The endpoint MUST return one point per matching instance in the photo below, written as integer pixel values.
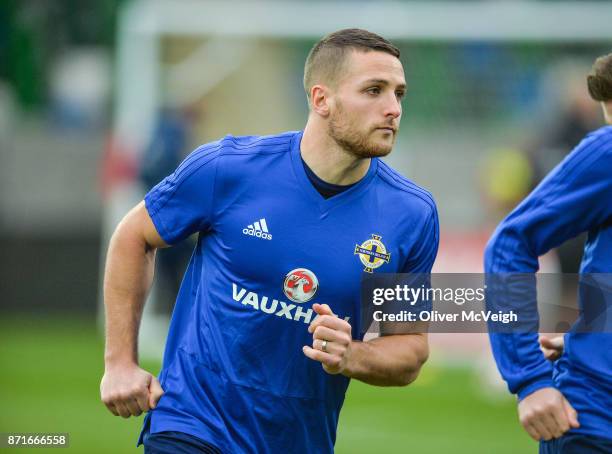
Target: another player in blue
(287, 225)
(567, 406)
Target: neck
(328, 160)
(607, 110)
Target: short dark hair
(599, 79)
(327, 57)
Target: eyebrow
(381, 82)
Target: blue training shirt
(575, 197)
(269, 246)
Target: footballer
(264, 337)
(567, 406)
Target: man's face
(365, 108)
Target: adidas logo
(258, 229)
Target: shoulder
(597, 143)
(236, 146)
(255, 145)
(602, 134)
(403, 192)
(592, 155)
(234, 152)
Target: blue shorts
(176, 443)
(576, 444)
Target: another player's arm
(126, 389)
(570, 201)
(386, 361)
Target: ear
(320, 99)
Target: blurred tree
(34, 32)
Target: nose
(393, 107)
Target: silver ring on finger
(324, 346)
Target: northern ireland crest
(372, 253)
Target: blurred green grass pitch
(51, 371)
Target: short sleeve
(424, 252)
(182, 203)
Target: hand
(546, 414)
(337, 332)
(129, 390)
(552, 347)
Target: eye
(373, 90)
(400, 94)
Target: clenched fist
(546, 414)
(129, 390)
(331, 344)
(552, 347)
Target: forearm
(127, 279)
(388, 361)
(510, 264)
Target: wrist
(113, 362)
(351, 370)
(533, 386)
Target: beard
(353, 140)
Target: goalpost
(175, 52)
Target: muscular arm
(127, 279)
(389, 360)
(126, 389)
(393, 360)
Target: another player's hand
(337, 332)
(546, 414)
(129, 390)
(552, 347)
